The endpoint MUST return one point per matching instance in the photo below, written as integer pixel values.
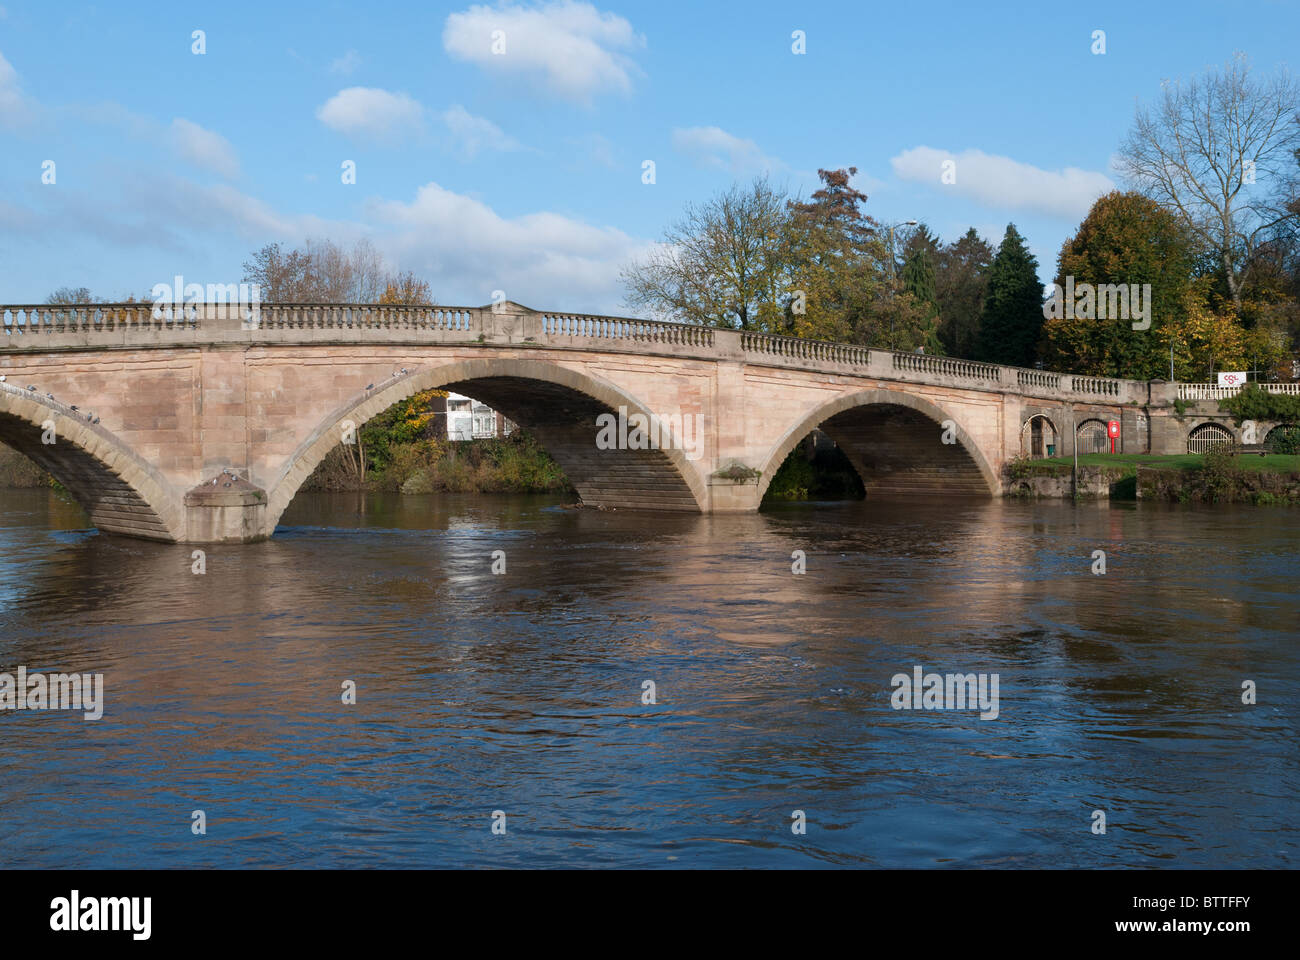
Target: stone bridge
(138, 415)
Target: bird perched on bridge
(96, 420)
(403, 372)
(49, 396)
(370, 386)
(73, 407)
(3, 378)
(30, 387)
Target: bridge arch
(556, 403)
(120, 491)
(906, 461)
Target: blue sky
(522, 170)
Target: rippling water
(522, 692)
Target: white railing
(1210, 391)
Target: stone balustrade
(43, 327)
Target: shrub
(793, 479)
(1220, 474)
(1252, 402)
(1285, 440)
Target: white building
(468, 419)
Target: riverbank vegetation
(825, 475)
(513, 464)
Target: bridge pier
(227, 509)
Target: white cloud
(714, 147)
(1005, 183)
(13, 106)
(467, 249)
(573, 48)
(346, 63)
(470, 134)
(370, 111)
(204, 148)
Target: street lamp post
(893, 272)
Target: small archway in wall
(119, 491)
(1278, 432)
(559, 406)
(1037, 435)
(1200, 439)
(1092, 437)
(899, 443)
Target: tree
(1214, 150)
(1128, 240)
(749, 259)
(961, 278)
(834, 257)
(1012, 317)
(70, 296)
(1204, 339)
(722, 264)
(919, 281)
(407, 288)
(324, 272)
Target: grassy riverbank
(1220, 476)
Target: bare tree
(721, 264)
(70, 296)
(1215, 149)
(325, 272)
(370, 276)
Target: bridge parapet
(45, 327)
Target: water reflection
(522, 692)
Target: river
(516, 698)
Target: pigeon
(49, 396)
(403, 372)
(214, 481)
(31, 388)
(74, 406)
(97, 420)
(3, 378)
(370, 386)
